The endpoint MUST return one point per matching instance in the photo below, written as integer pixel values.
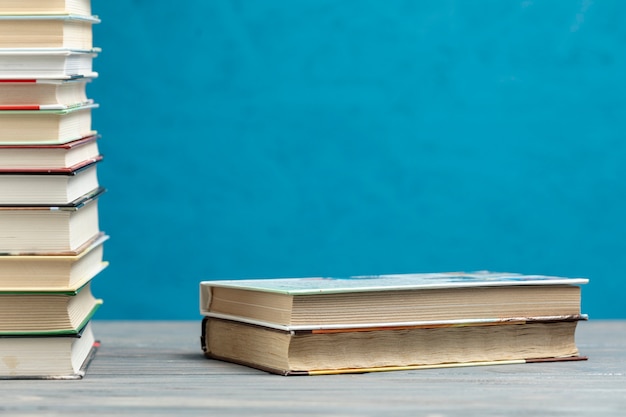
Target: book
(50, 313)
(41, 230)
(384, 300)
(47, 31)
(316, 352)
(47, 187)
(45, 126)
(47, 357)
(27, 7)
(43, 94)
(64, 157)
(53, 273)
(46, 63)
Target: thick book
(45, 230)
(46, 356)
(32, 94)
(383, 300)
(25, 187)
(47, 31)
(53, 273)
(42, 7)
(64, 157)
(46, 63)
(49, 313)
(360, 350)
(45, 126)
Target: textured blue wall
(321, 137)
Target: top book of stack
(44, 7)
(47, 31)
(391, 300)
(43, 40)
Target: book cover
(47, 17)
(389, 282)
(45, 107)
(20, 110)
(68, 145)
(64, 171)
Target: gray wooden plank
(157, 368)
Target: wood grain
(157, 368)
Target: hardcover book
(359, 350)
(43, 230)
(46, 356)
(47, 187)
(47, 31)
(46, 63)
(44, 7)
(45, 126)
(307, 303)
(64, 157)
(53, 273)
(50, 313)
(32, 94)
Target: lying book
(43, 94)
(45, 126)
(64, 157)
(78, 7)
(46, 63)
(49, 313)
(47, 31)
(47, 357)
(39, 230)
(307, 303)
(316, 352)
(53, 273)
(49, 187)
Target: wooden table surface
(157, 368)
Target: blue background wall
(321, 137)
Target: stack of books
(309, 326)
(51, 245)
